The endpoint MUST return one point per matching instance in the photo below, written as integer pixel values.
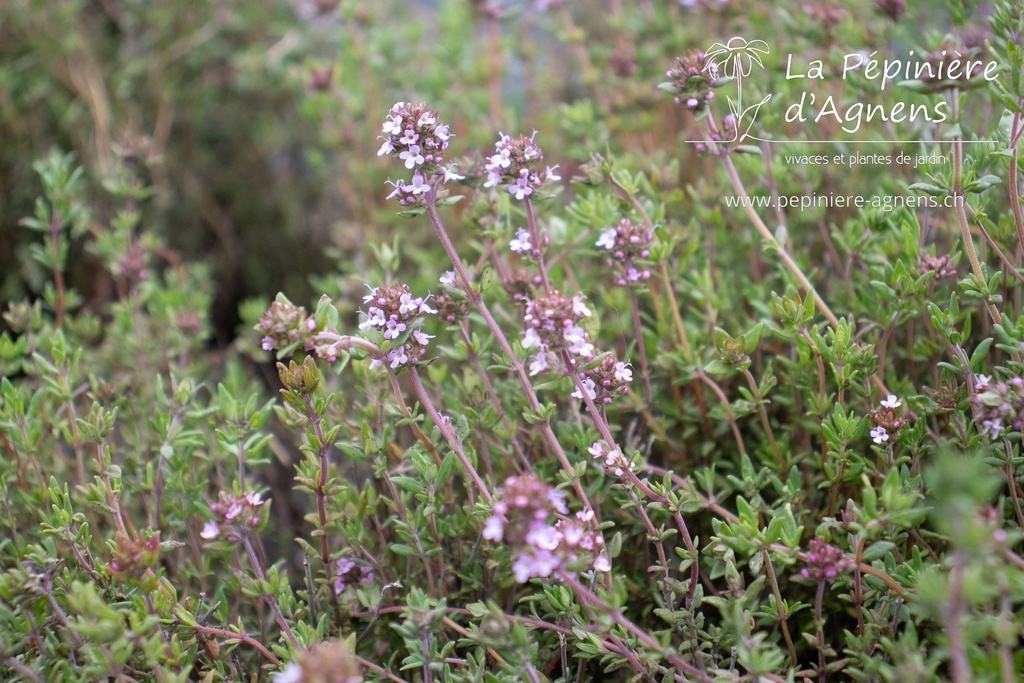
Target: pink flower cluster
(824, 562)
(606, 380)
(691, 82)
(412, 133)
(942, 266)
(999, 406)
(521, 285)
(233, 517)
(551, 324)
(284, 324)
(516, 163)
(522, 517)
(449, 309)
(394, 311)
(627, 243)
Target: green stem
(764, 419)
(321, 502)
(449, 434)
(780, 608)
(267, 597)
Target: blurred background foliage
(255, 121)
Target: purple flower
(623, 372)
(413, 135)
(521, 188)
(551, 325)
(348, 572)
(535, 562)
(393, 124)
(418, 186)
(493, 528)
(393, 329)
(521, 242)
(589, 387)
(398, 357)
(538, 364)
(407, 304)
(691, 81)
(411, 156)
(500, 160)
(580, 308)
(628, 243)
(607, 239)
(522, 518)
(891, 402)
(516, 162)
(879, 434)
(993, 428)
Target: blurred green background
(255, 121)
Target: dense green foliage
(786, 442)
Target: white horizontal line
(852, 142)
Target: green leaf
(407, 483)
(877, 550)
(717, 368)
(928, 188)
(445, 471)
(399, 549)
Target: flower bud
(302, 379)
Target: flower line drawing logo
(739, 57)
(735, 60)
